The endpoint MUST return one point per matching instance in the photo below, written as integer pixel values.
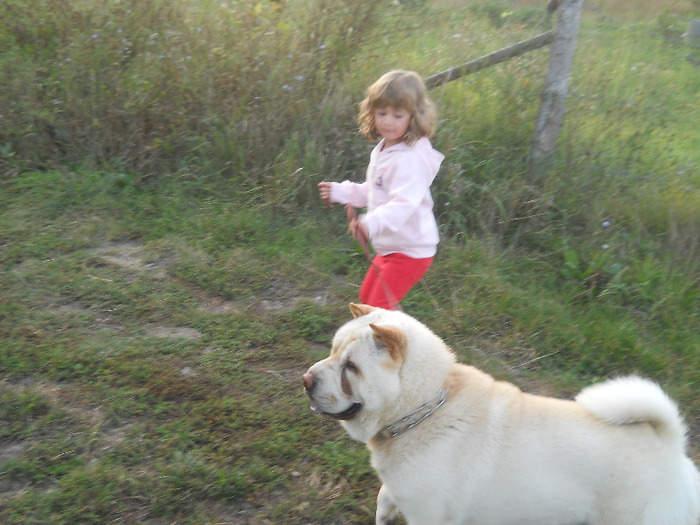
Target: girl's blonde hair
(399, 89)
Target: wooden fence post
(556, 86)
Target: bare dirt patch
(10, 451)
(130, 256)
(215, 304)
(174, 332)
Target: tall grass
(151, 85)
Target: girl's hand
(359, 231)
(324, 189)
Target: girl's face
(392, 124)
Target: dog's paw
(392, 519)
(387, 511)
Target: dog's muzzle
(310, 384)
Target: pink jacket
(397, 196)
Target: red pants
(390, 277)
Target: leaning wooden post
(556, 87)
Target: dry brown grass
(648, 8)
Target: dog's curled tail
(633, 399)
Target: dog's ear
(392, 338)
(358, 310)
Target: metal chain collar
(414, 418)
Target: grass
(167, 273)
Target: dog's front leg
(387, 511)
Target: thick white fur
(493, 455)
(617, 401)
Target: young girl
(399, 221)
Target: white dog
(453, 446)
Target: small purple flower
(606, 224)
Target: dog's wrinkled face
(360, 375)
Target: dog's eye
(351, 367)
